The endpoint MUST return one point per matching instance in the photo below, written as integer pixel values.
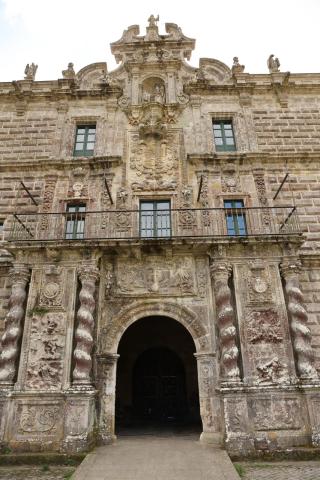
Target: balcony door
(155, 218)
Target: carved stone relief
(262, 196)
(52, 287)
(76, 417)
(202, 276)
(157, 276)
(230, 180)
(276, 414)
(263, 326)
(48, 196)
(46, 352)
(154, 164)
(38, 419)
(235, 415)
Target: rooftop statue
(30, 71)
(153, 20)
(69, 73)
(273, 64)
(236, 67)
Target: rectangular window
(235, 217)
(75, 217)
(155, 218)
(85, 140)
(223, 136)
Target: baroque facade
(160, 254)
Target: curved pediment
(90, 77)
(214, 70)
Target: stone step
(156, 458)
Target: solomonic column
(88, 276)
(229, 352)
(20, 276)
(298, 319)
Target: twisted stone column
(299, 319)
(88, 276)
(229, 352)
(20, 275)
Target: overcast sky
(52, 33)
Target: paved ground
(281, 470)
(156, 458)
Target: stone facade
(250, 302)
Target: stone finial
(30, 71)
(69, 73)
(273, 64)
(153, 20)
(236, 67)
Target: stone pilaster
(229, 352)
(88, 275)
(298, 319)
(107, 370)
(209, 401)
(20, 276)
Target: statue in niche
(273, 64)
(153, 92)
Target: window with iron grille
(223, 136)
(85, 140)
(75, 221)
(235, 217)
(155, 218)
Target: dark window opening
(223, 136)
(85, 140)
(155, 218)
(235, 217)
(75, 222)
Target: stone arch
(141, 309)
(90, 75)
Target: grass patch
(240, 469)
(68, 476)
(45, 467)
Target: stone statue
(30, 71)
(158, 93)
(69, 73)
(236, 67)
(273, 64)
(153, 20)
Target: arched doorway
(157, 384)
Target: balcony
(118, 225)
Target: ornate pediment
(152, 47)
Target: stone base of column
(212, 438)
(106, 439)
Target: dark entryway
(156, 376)
(159, 390)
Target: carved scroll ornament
(10, 341)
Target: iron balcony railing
(151, 224)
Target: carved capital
(88, 273)
(20, 273)
(290, 268)
(220, 270)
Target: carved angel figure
(273, 64)
(153, 20)
(69, 73)
(30, 71)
